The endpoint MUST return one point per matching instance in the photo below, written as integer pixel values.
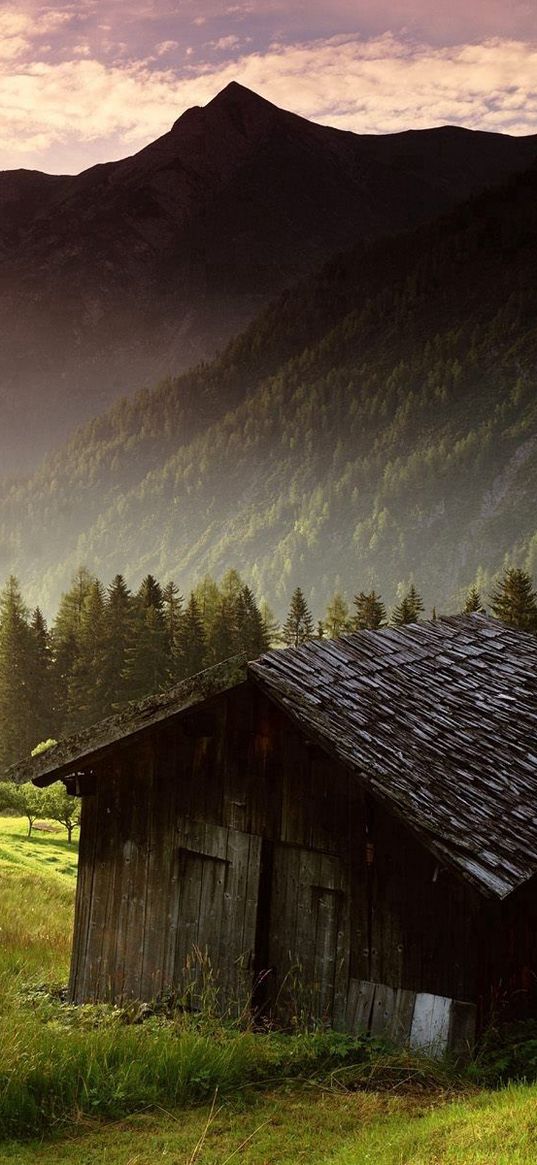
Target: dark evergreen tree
(147, 667)
(192, 641)
(298, 627)
(66, 638)
(119, 620)
(514, 600)
(252, 637)
(409, 609)
(209, 600)
(43, 688)
(173, 612)
(172, 605)
(17, 677)
(370, 612)
(473, 604)
(87, 696)
(150, 594)
(222, 633)
(271, 627)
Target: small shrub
(506, 1053)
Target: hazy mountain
(136, 269)
(378, 423)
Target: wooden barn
(347, 829)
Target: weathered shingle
(440, 720)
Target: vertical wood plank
(431, 1023)
(403, 1014)
(383, 1011)
(361, 998)
(84, 891)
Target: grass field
(185, 1092)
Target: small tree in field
(61, 807)
(25, 800)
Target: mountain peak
(236, 94)
(233, 101)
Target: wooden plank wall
(184, 825)
(414, 923)
(425, 1022)
(309, 934)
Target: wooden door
(213, 915)
(308, 944)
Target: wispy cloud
(63, 104)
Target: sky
(94, 80)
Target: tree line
(108, 646)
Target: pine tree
(271, 627)
(252, 634)
(298, 627)
(192, 641)
(370, 612)
(66, 638)
(209, 599)
(337, 620)
(473, 604)
(18, 731)
(409, 609)
(172, 605)
(222, 634)
(514, 600)
(43, 688)
(147, 667)
(150, 594)
(119, 617)
(173, 613)
(87, 699)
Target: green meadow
(94, 1085)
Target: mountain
(115, 278)
(377, 424)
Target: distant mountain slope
(378, 423)
(137, 269)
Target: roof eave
(84, 749)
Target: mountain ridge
(376, 425)
(134, 270)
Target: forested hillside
(133, 270)
(378, 423)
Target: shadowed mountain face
(115, 278)
(376, 424)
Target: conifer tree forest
(108, 645)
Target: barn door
(213, 914)
(308, 947)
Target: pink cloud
(70, 113)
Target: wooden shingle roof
(440, 720)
